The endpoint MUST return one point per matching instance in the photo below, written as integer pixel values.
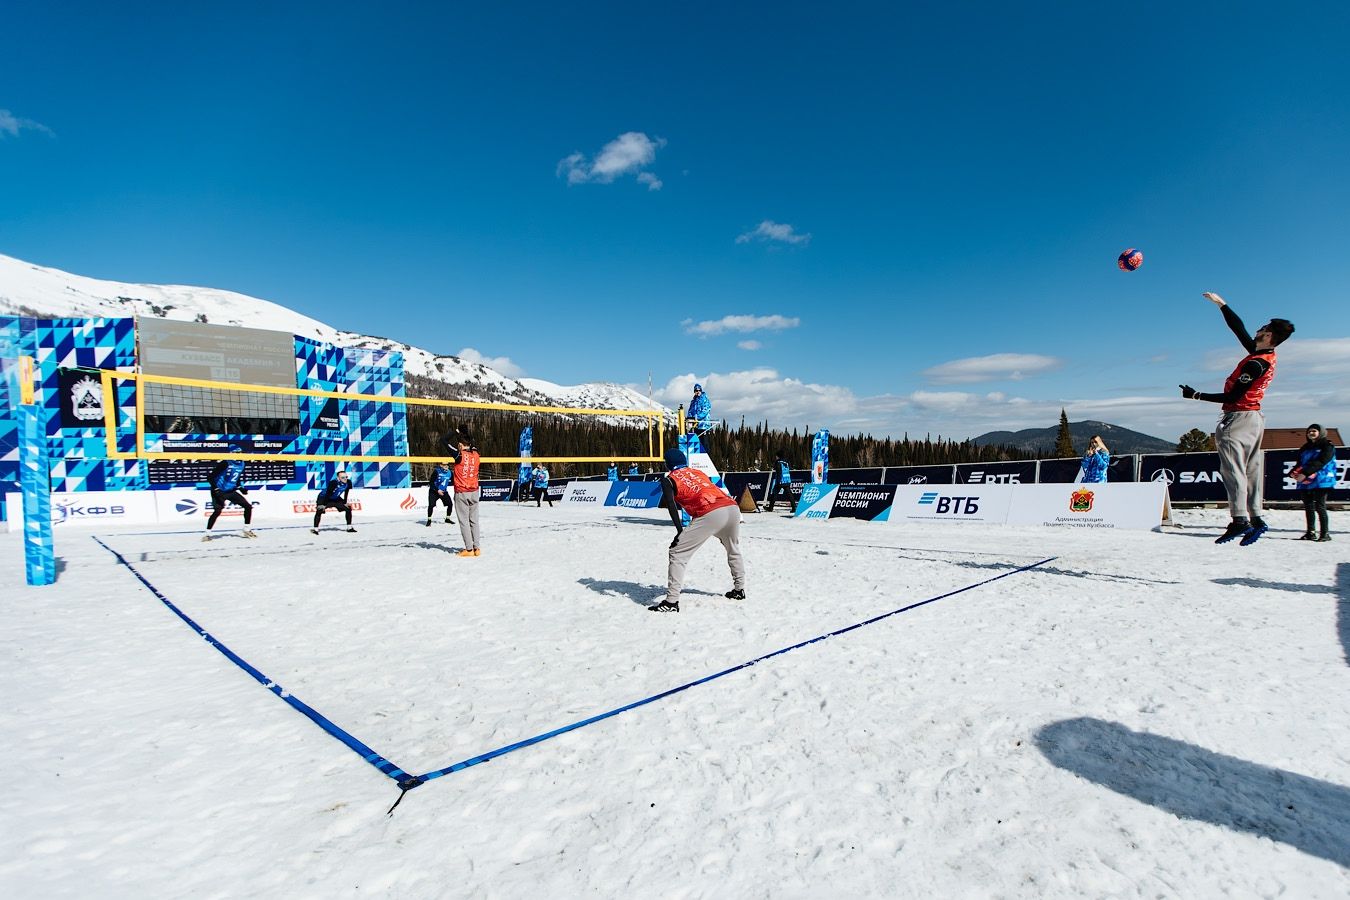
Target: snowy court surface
(1147, 715)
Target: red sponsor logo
(408, 502)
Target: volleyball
(1130, 260)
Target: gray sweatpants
(1241, 462)
(466, 507)
(723, 523)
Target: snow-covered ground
(1146, 715)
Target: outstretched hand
(676, 539)
(1214, 298)
(1188, 392)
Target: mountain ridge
(1119, 440)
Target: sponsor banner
(173, 471)
(586, 493)
(497, 489)
(737, 482)
(820, 456)
(1137, 506)
(556, 489)
(185, 506)
(1279, 486)
(919, 475)
(872, 502)
(634, 495)
(81, 399)
(703, 462)
(1019, 472)
(816, 501)
(855, 476)
(951, 503)
(91, 508)
(1190, 477)
(329, 418)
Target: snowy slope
(31, 290)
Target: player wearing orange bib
(714, 514)
(1238, 434)
(467, 493)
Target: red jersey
(696, 494)
(466, 472)
(1251, 400)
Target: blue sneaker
(1235, 530)
(1259, 527)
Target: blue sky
(870, 217)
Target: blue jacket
(633, 470)
(784, 473)
(1094, 467)
(228, 475)
(612, 473)
(1317, 457)
(700, 407)
(540, 477)
(441, 481)
(335, 491)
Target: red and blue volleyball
(1130, 260)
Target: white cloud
(749, 345)
(711, 327)
(627, 154)
(995, 367)
(769, 230)
(11, 125)
(763, 394)
(502, 364)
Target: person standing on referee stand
(438, 489)
(1238, 434)
(227, 486)
(467, 494)
(334, 496)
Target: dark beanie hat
(1312, 426)
(675, 458)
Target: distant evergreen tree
(1195, 441)
(1064, 440)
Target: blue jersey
(540, 477)
(335, 492)
(612, 473)
(700, 408)
(228, 475)
(1323, 476)
(1094, 467)
(441, 481)
(633, 470)
(784, 473)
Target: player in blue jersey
(227, 486)
(334, 496)
(440, 488)
(539, 478)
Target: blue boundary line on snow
(540, 738)
(407, 781)
(298, 705)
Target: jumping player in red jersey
(714, 514)
(1238, 434)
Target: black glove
(1188, 392)
(676, 539)
(243, 490)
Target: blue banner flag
(820, 456)
(526, 449)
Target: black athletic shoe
(1235, 530)
(665, 606)
(428, 523)
(314, 531)
(449, 521)
(1259, 527)
(351, 530)
(1324, 539)
(1307, 536)
(735, 594)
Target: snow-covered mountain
(31, 290)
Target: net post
(140, 417)
(39, 550)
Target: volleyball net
(158, 417)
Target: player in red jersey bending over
(714, 514)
